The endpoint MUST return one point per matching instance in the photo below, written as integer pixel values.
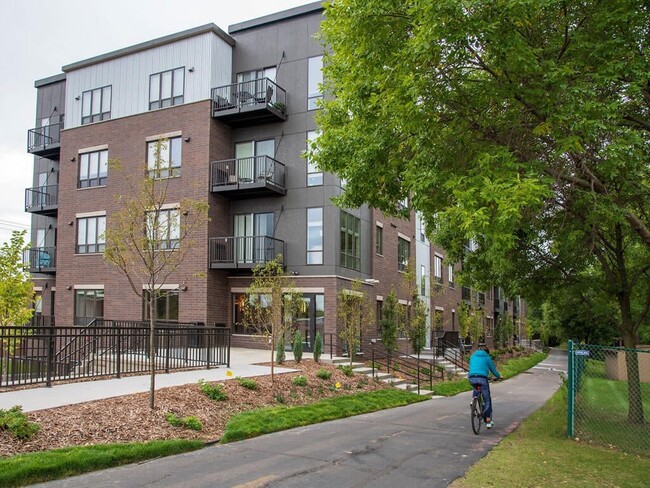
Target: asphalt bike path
(428, 444)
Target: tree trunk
(635, 403)
(152, 353)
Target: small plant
(280, 356)
(318, 346)
(214, 392)
(332, 388)
(248, 383)
(279, 397)
(299, 381)
(15, 421)
(363, 381)
(297, 346)
(426, 371)
(347, 370)
(189, 422)
(323, 374)
(396, 367)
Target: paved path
(428, 444)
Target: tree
(16, 289)
(148, 239)
(356, 313)
(390, 322)
(416, 327)
(270, 304)
(524, 127)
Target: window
(403, 253)
(96, 105)
(166, 88)
(38, 303)
(256, 86)
(450, 275)
(423, 280)
(165, 306)
(88, 306)
(379, 237)
(314, 80)
(163, 228)
(167, 162)
(380, 315)
(91, 234)
(254, 160)
(93, 169)
(350, 241)
(314, 174)
(315, 235)
(253, 232)
(437, 269)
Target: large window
(314, 174)
(165, 306)
(163, 228)
(253, 160)
(164, 158)
(350, 241)
(437, 269)
(93, 169)
(91, 234)
(315, 235)
(379, 240)
(96, 105)
(88, 306)
(252, 237)
(403, 253)
(450, 275)
(314, 80)
(423, 280)
(166, 88)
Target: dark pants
(485, 391)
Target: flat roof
(151, 44)
(278, 16)
(49, 80)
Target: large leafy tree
(16, 289)
(523, 125)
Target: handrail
(258, 92)
(44, 136)
(407, 365)
(453, 353)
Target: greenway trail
(428, 444)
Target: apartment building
(237, 112)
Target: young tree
(390, 322)
(524, 127)
(149, 238)
(416, 327)
(356, 313)
(270, 305)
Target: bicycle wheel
(477, 415)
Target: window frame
(99, 244)
(437, 269)
(165, 295)
(102, 162)
(315, 176)
(379, 240)
(159, 102)
(314, 92)
(167, 243)
(97, 296)
(350, 241)
(170, 168)
(88, 97)
(403, 251)
(318, 251)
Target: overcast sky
(38, 37)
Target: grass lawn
(538, 454)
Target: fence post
(50, 354)
(372, 363)
(570, 392)
(207, 346)
(167, 350)
(118, 351)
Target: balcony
(249, 102)
(41, 259)
(246, 177)
(243, 252)
(42, 200)
(45, 141)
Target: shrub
(279, 397)
(318, 346)
(279, 351)
(426, 371)
(214, 392)
(347, 370)
(189, 422)
(15, 421)
(299, 381)
(297, 346)
(248, 383)
(324, 374)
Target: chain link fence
(609, 396)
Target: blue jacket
(481, 364)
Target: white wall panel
(209, 55)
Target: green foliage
(390, 321)
(15, 422)
(280, 355)
(324, 374)
(264, 421)
(248, 383)
(297, 346)
(38, 467)
(16, 289)
(355, 312)
(347, 370)
(318, 346)
(189, 422)
(214, 392)
(299, 380)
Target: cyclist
(480, 367)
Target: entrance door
(310, 319)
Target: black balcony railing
(260, 100)
(243, 252)
(45, 141)
(42, 199)
(259, 174)
(41, 259)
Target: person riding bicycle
(480, 367)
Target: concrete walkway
(243, 363)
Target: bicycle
(476, 409)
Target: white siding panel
(210, 56)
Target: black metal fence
(43, 353)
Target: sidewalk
(242, 363)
